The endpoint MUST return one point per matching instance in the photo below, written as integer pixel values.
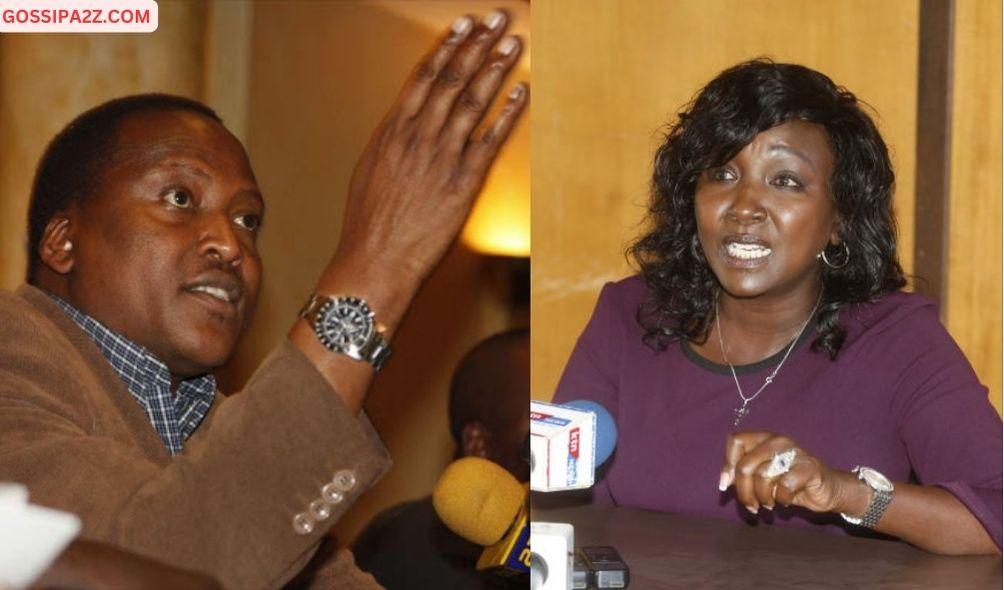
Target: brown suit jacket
(72, 432)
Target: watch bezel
(874, 479)
(325, 320)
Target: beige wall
(46, 80)
(973, 311)
(302, 84)
(609, 75)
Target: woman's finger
(791, 484)
(764, 484)
(736, 446)
(747, 476)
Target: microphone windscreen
(478, 499)
(606, 428)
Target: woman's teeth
(746, 251)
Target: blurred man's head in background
(489, 401)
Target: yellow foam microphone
(485, 504)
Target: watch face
(345, 324)
(876, 480)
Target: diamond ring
(780, 464)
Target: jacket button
(303, 524)
(319, 510)
(331, 494)
(344, 480)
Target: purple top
(900, 398)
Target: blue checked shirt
(174, 417)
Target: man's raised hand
(427, 161)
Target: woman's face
(765, 214)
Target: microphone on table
(483, 503)
(606, 428)
(567, 443)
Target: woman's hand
(927, 516)
(417, 179)
(808, 483)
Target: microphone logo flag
(548, 419)
(511, 554)
(573, 456)
(562, 446)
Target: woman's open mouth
(745, 251)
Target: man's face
(165, 252)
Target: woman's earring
(847, 257)
(67, 246)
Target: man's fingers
(482, 148)
(474, 101)
(416, 89)
(454, 77)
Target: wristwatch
(346, 325)
(882, 496)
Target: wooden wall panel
(609, 74)
(47, 79)
(973, 303)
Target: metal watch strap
(880, 501)
(311, 307)
(881, 498)
(375, 351)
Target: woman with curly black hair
(768, 318)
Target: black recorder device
(599, 567)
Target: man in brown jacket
(143, 274)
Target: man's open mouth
(216, 292)
(224, 289)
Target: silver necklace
(743, 410)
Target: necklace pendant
(741, 413)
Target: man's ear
(56, 248)
(475, 440)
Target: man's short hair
(72, 167)
(482, 388)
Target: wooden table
(668, 551)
